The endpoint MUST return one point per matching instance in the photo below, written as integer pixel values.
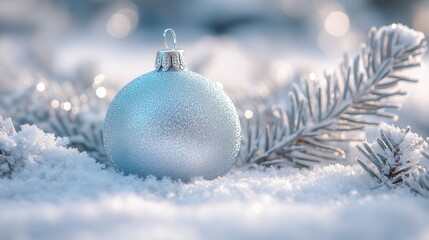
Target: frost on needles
(326, 110)
(397, 158)
(396, 155)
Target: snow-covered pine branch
(396, 156)
(321, 110)
(23, 98)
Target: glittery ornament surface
(174, 123)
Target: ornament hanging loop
(173, 34)
(170, 58)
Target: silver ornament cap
(170, 58)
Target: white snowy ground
(58, 193)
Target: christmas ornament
(172, 122)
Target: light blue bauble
(172, 123)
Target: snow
(55, 192)
(132, 216)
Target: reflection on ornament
(172, 122)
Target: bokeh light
(248, 114)
(41, 87)
(123, 22)
(55, 103)
(99, 78)
(312, 76)
(66, 106)
(101, 92)
(337, 23)
(83, 98)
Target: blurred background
(73, 56)
(231, 41)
